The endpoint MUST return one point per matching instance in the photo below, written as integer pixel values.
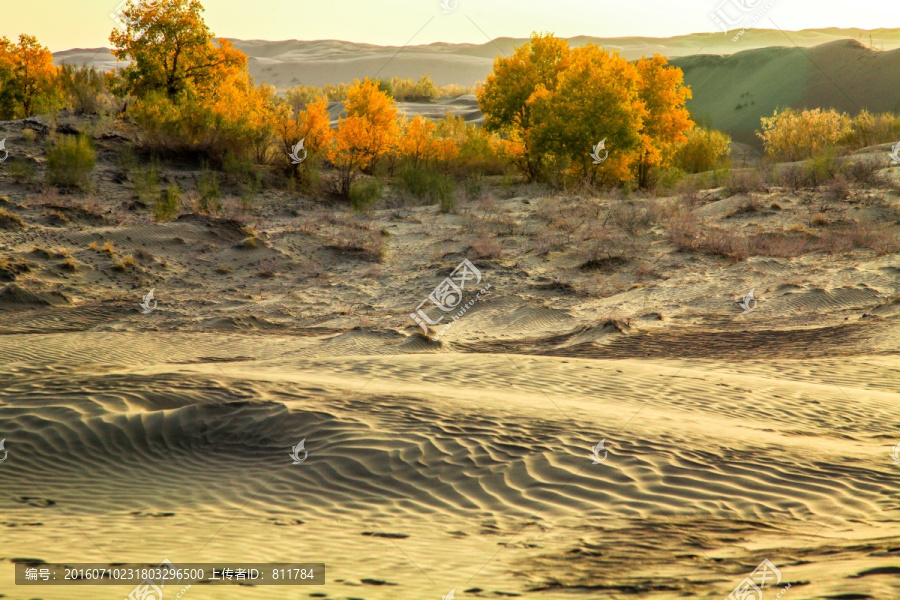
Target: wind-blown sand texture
(461, 464)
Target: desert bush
(428, 185)
(209, 196)
(868, 129)
(875, 236)
(407, 89)
(790, 135)
(864, 172)
(473, 185)
(21, 171)
(743, 181)
(85, 89)
(703, 150)
(145, 184)
(168, 204)
(365, 193)
(70, 161)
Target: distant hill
(733, 83)
(732, 92)
(287, 63)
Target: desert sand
(460, 464)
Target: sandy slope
(461, 464)
(423, 466)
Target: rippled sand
(441, 470)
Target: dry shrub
(784, 244)
(743, 181)
(690, 234)
(487, 247)
(875, 236)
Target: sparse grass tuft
(10, 221)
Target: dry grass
(10, 221)
(108, 248)
(69, 265)
(124, 263)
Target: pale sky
(64, 24)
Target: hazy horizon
(416, 22)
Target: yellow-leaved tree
(504, 98)
(662, 90)
(596, 99)
(366, 135)
(193, 93)
(28, 79)
(310, 125)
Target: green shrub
(168, 203)
(208, 191)
(473, 185)
(365, 193)
(429, 185)
(70, 160)
(145, 184)
(21, 171)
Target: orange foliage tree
(554, 104)
(171, 50)
(366, 135)
(504, 98)
(192, 93)
(28, 79)
(661, 88)
(425, 145)
(312, 126)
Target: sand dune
(463, 463)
